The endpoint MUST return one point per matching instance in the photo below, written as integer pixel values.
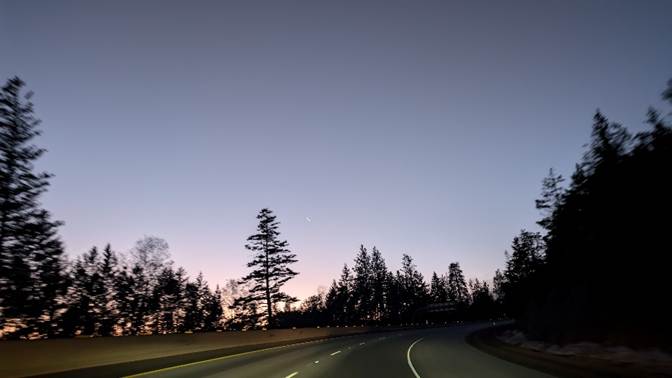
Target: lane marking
(408, 357)
(317, 362)
(335, 353)
(169, 368)
(293, 374)
(362, 343)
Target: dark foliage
(270, 262)
(603, 277)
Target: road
(426, 353)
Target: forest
(595, 269)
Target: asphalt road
(438, 352)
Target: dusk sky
(419, 127)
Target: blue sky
(418, 127)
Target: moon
(308, 219)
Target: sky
(420, 127)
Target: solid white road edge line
(408, 357)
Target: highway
(438, 352)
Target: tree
(412, 288)
(551, 198)
(168, 300)
(361, 286)
(339, 301)
(524, 262)
(86, 295)
(456, 288)
(196, 297)
(270, 262)
(31, 263)
(107, 270)
(482, 302)
(378, 285)
(437, 289)
(150, 257)
(212, 303)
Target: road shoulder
(560, 366)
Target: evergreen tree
(361, 287)
(378, 285)
(168, 299)
(86, 295)
(125, 299)
(413, 293)
(196, 298)
(345, 300)
(482, 302)
(270, 262)
(437, 289)
(31, 262)
(213, 309)
(551, 198)
(108, 298)
(456, 288)
(524, 262)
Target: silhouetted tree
(522, 264)
(437, 289)
(270, 262)
(213, 309)
(87, 295)
(551, 198)
(361, 286)
(196, 298)
(456, 289)
(482, 304)
(107, 298)
(413, 292)
(340, 302)
(31, 262)
(378, 285)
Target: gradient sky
(418, 127)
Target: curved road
(438, 352)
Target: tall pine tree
(270, 265)
(32, 281)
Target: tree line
(103, 292)
(371, 294)
(598, 270)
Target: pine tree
(86, 296)
(522, 264)
(270, 262)
(213, 309)
(108, 299)
(551, 198)
(31, 263)
(168, 299)
(361, 287)
(437, 289)
(124, 298)
(197, 296)
(413, 293)
(482, 304)
(378, 284)
(456, 287)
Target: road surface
(426, 353)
